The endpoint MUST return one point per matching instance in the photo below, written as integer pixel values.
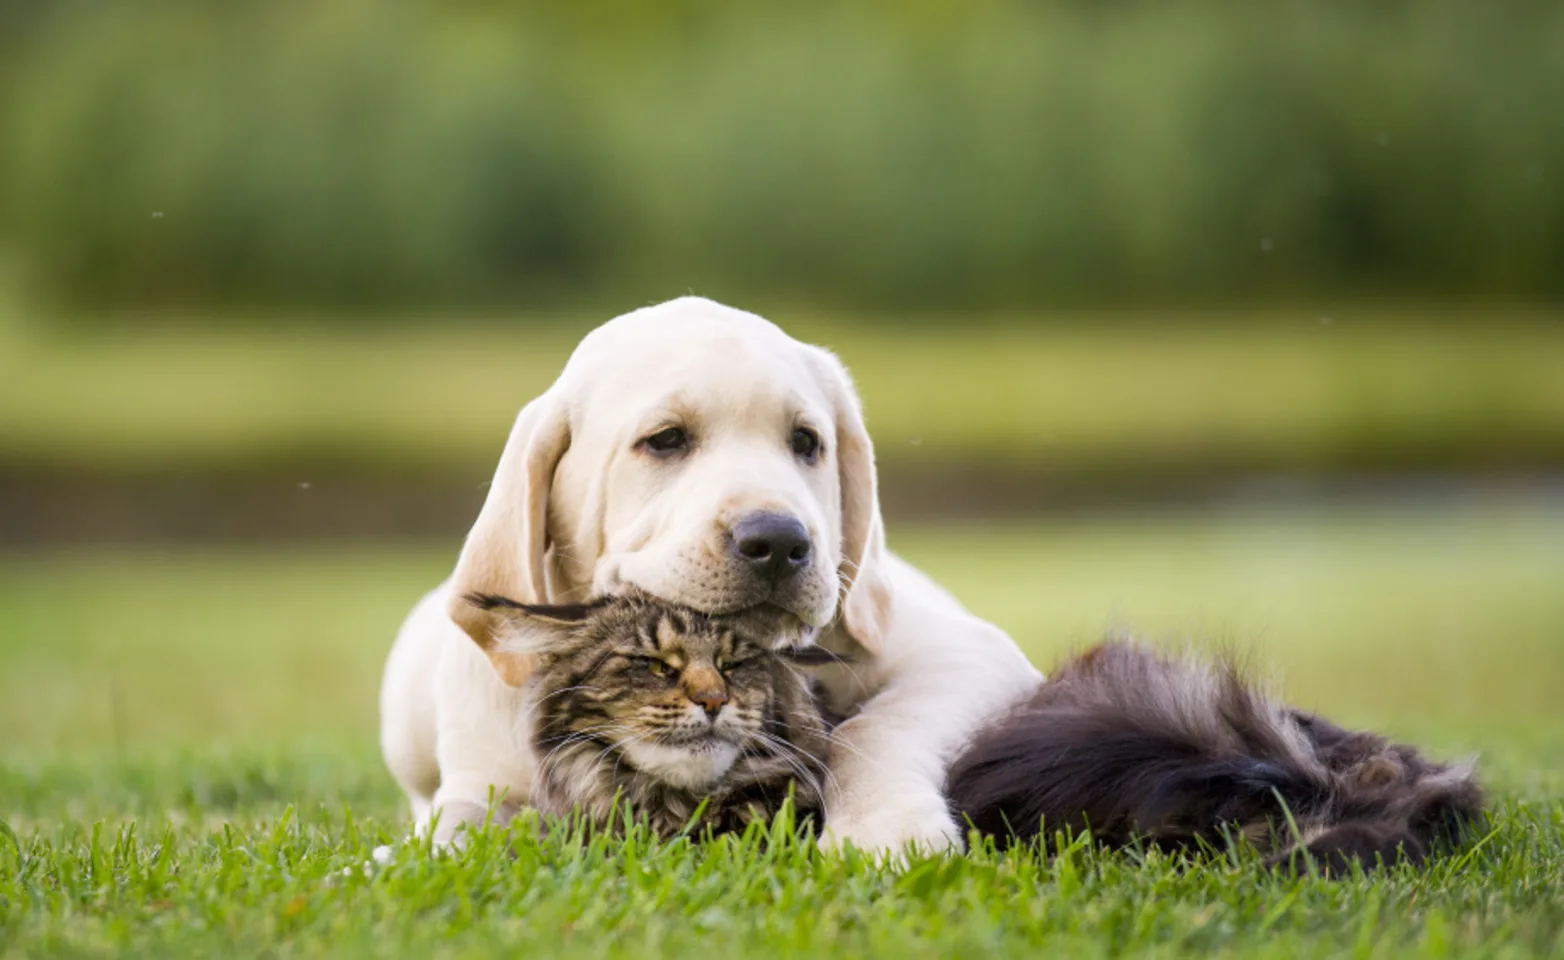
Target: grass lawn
(187, 758)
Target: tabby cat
(1178, 752)
(670, 710)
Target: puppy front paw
(920, 823)
(455, 821)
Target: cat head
(676, 694)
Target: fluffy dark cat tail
(1134, 745)
(1179, 752)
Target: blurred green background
(1223, 322)
(913, 157)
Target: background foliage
(995, 154)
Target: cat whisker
(844, 664)
(837, 743)
(620, 745)
(540, 701)
(806, 766)
(578, 736)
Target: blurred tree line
(992, 155)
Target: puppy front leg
(462, 805)
(943, 675)
(483, 745)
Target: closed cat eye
(655, 666)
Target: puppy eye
(806, 443)
(668, 440)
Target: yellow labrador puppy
(700, 454)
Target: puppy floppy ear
(504, 552)
(866, 601)
(521, 629)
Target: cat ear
(522, 629)
(563, 614)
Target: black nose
(774, 545)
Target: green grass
(187, 759)
(1373, 388)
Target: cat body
(677, 714)
(670, 711)
(1178, 752)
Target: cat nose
(711, 700)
